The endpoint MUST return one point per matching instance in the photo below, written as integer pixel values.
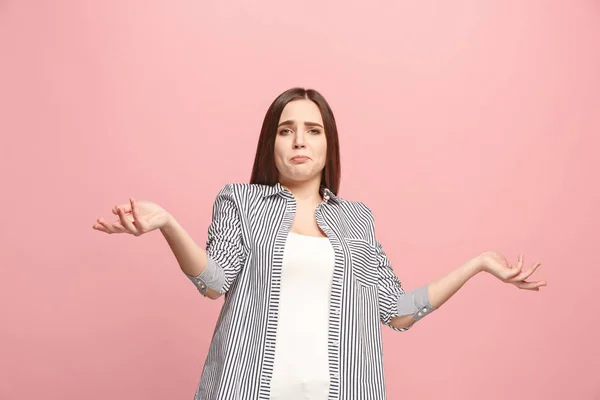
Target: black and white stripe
(246, 239)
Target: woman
(306, 282)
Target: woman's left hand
(497, 265)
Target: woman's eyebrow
(313, 124)
(291, 122)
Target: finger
(511, 274)
(520, 261)
(134, 210)
(534, 289)
(530, 285)
(100, 228)
(519, 266)
(508, 272)
(126, 222)
(140, 223)
(110, 228)
(516, 270)
(526, 274)
(501, 270)
(530, 271)
(114, 227)
(126, 207)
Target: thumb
(512, 272)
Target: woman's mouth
(299, 159)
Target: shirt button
(335, 375)
(336, 311)
(425, 309)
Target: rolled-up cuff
(212, 277)
(415, 303)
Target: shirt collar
(279, 189)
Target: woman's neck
(308, 191)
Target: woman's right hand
(136, 218)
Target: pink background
(465, 126)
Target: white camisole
(301, 363)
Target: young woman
(306, 282)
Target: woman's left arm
(440, 290)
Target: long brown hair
(264, 170)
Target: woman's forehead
(300, 112)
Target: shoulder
(243, 192)
(356, 218)
(237, 198)
(355, 210)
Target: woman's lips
(299, 159)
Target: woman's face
(300, 144)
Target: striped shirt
(246, 240)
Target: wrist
(476, 265)
(169, 224)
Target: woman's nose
(299, 141)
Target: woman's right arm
(192, 258)
(213, 270)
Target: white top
(301, 362)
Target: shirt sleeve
(393, 300)
(224, 246)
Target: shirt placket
(275, 294)
(335, 300)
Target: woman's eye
(284, 131)
(315, 131)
